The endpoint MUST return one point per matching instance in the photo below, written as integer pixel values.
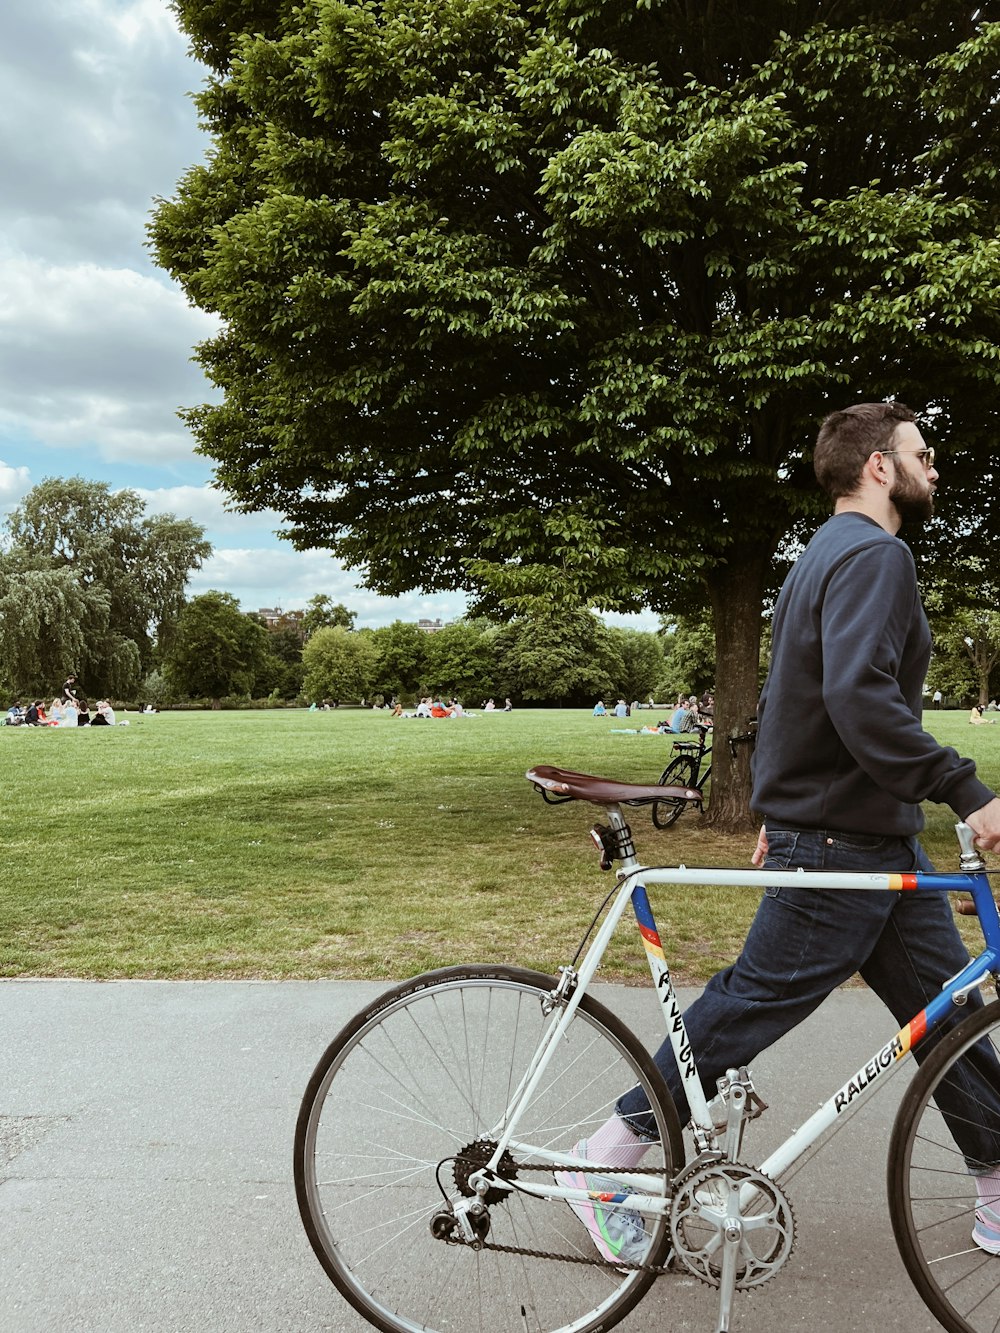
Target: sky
(95, 341)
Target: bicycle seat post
(625, 847)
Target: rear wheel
(406, 1104)
(954, 1100)
(680, 772)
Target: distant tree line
(90, 584)
(570, 659)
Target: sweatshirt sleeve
(870, 607)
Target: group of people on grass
(68, 709)
(436, 707)
(689, 713)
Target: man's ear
(875, 467)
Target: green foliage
(639, 665)
(557, 658)
(322, 612)
(88, 584)
(689, 650)
(400, 656)
(464, 246)
(216, 650)
(339, 664)
(156, 690)
(460, 661)
(281, 672)
(961, 600)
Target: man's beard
(914, 503)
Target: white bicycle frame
(634, 879)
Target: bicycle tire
(680, 772)
(932, 1197)
(407, 1084)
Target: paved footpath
(145, 1165)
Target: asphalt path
(146, 1181)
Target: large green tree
(547, 300)
(460, 660)
(323, 612)
(565, 658)
(401, 649)
(89, 583)
(963, 603)
(282, 672)
(339, 664)
(641, 657)
(689, 656)
(216, 650)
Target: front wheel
(405, 1103)
(680, 772)
(947, 1129)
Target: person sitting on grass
(976, 718)
(105, 715)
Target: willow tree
(90, 583)
(545, 300)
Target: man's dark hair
(848, 437)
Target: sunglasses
(926, 456)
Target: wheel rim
(681, 773)
(958, 1280)
(424, 1078)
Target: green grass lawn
(346, 844)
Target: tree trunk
(736, 591)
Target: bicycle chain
(573, 1258)
(619, 1266)
(565, 1258)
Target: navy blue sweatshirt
(840, 743)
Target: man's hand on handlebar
(985, 823)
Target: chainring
(708, 1201)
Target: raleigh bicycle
(434, 1129)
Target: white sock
(987, 1187)
(617, 1144)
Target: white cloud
(98, 357)
(15, 482)
(287, 578)
(94, 122)
(206, 505)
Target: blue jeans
(803, 943)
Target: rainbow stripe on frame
(647, 924)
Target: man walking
(841, 766)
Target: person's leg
(919, 950)
(803, 943)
